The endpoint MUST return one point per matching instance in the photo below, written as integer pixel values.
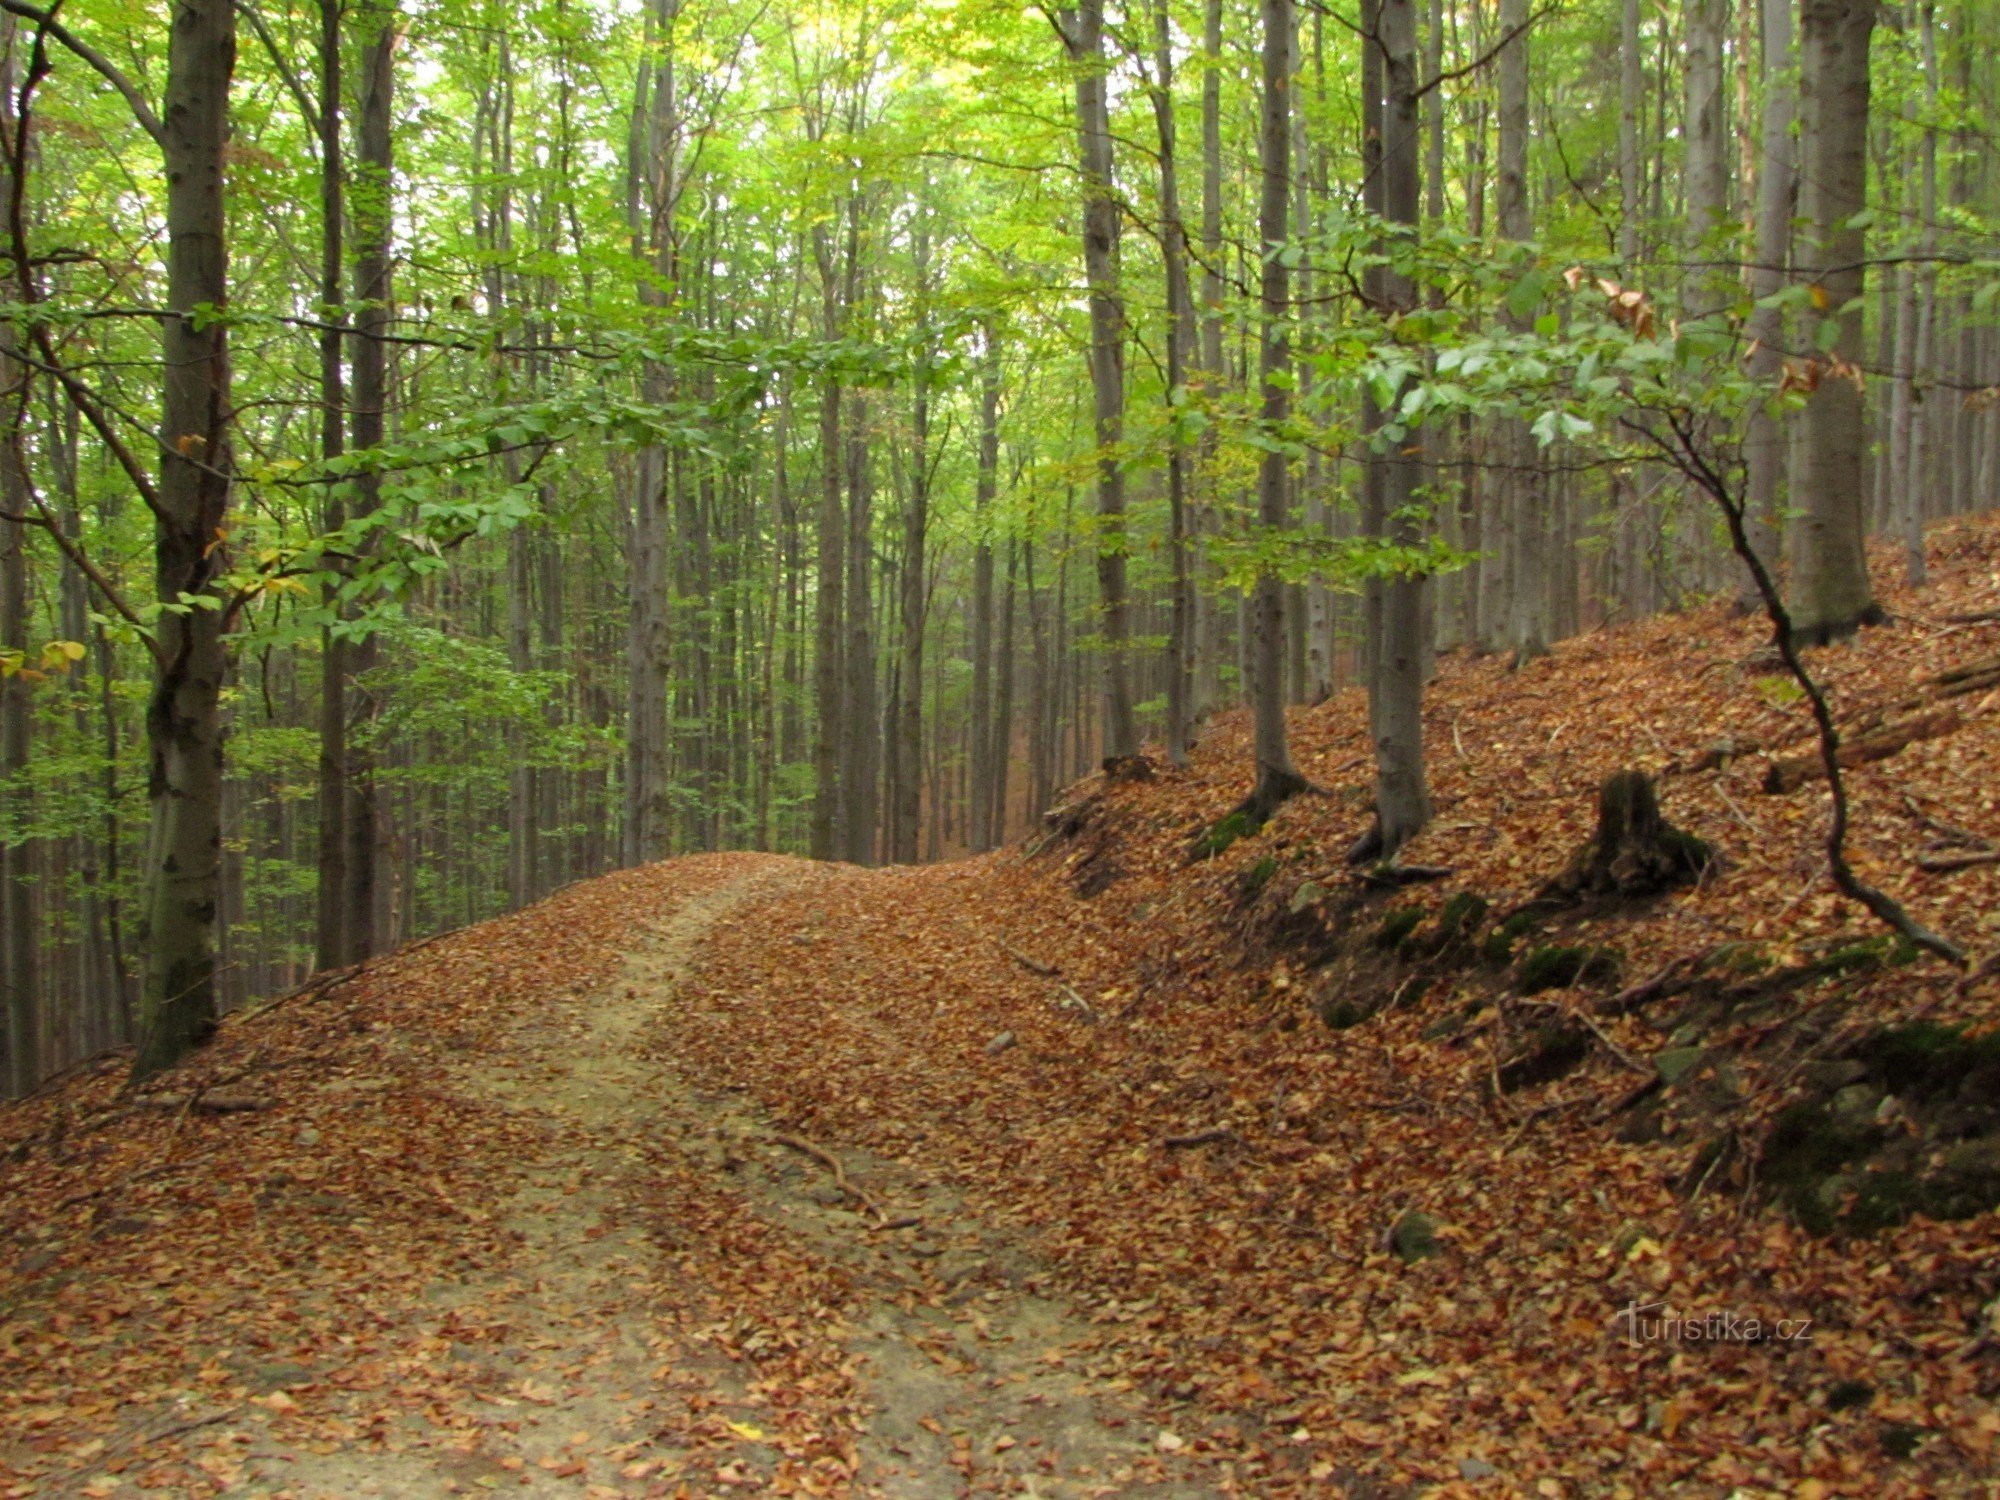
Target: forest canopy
(449, 450)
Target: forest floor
(1088, 1168)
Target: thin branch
(1686, 453)
(46, 21)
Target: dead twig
(1032, 965)
(1209, 1137)
(832, 1163)
(1944, 864)
(1071, 1000)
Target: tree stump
(1635, 852)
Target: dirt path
(620, 1353)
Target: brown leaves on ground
(1248, 1282)
(182, 1291)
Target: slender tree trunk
(1277, 778)
(372, 203)
(1527, 572)
(1402, 796)
(331, 895)
(829, 675)
(861, 755)
(1173, 236)
(1084, 29)
(184, 714)
(1917, 480)
(1208, 613)
(1832, 596)
(906, 816)
(652, 202)
(985, 766)
(1631, 177)
(1704, 129)
(1001, 755)
(1766, 442)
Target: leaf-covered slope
(1129, 1054)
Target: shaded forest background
(453, 450)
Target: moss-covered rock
(1215, 839)
(1499, 945)
(1556, 966)
(1397, 925)
(1414, 1238)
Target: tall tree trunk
(1916, 480)
(652, 203)
(184, 713)
(1832, 596)
(1518, 497)
(372, 201)
(20, 983)
(861, 755)
(986, 488)
(1083, 28)
(331, 895)
(1766, 442)
(1208, 626)
(829, 675)
(1402, 796)
(1173, 239)
(906, 816)
(1704, 170)
(1277, 778)
(1001, 755)
(1631, 178)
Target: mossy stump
(1635, 852)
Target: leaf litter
(510, 1210)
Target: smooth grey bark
(1517, 504)
(860, 752)
(1277, 778)
(829, 594)
(1402, 795)
(1083, 31)
(1173, 240)
(1831, 593)
(184, 729)
(1631, 179)
(654, 189)
(988, 759)
(1208, 613)
(1918, 443)
(1705, 137)
(907, 808)
(1766, 442)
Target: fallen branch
(201, 1103)
(1393, 876)
(1670, 979)
(1208, 1137)
(1032, 965)
(1944, 864)
(1790, 774)
(832, 1164)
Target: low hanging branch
(1682, 448)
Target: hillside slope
(1091, 1168)
(1212, 1090)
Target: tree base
(1827, 632)
(1635, 852)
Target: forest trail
(665, 1297)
